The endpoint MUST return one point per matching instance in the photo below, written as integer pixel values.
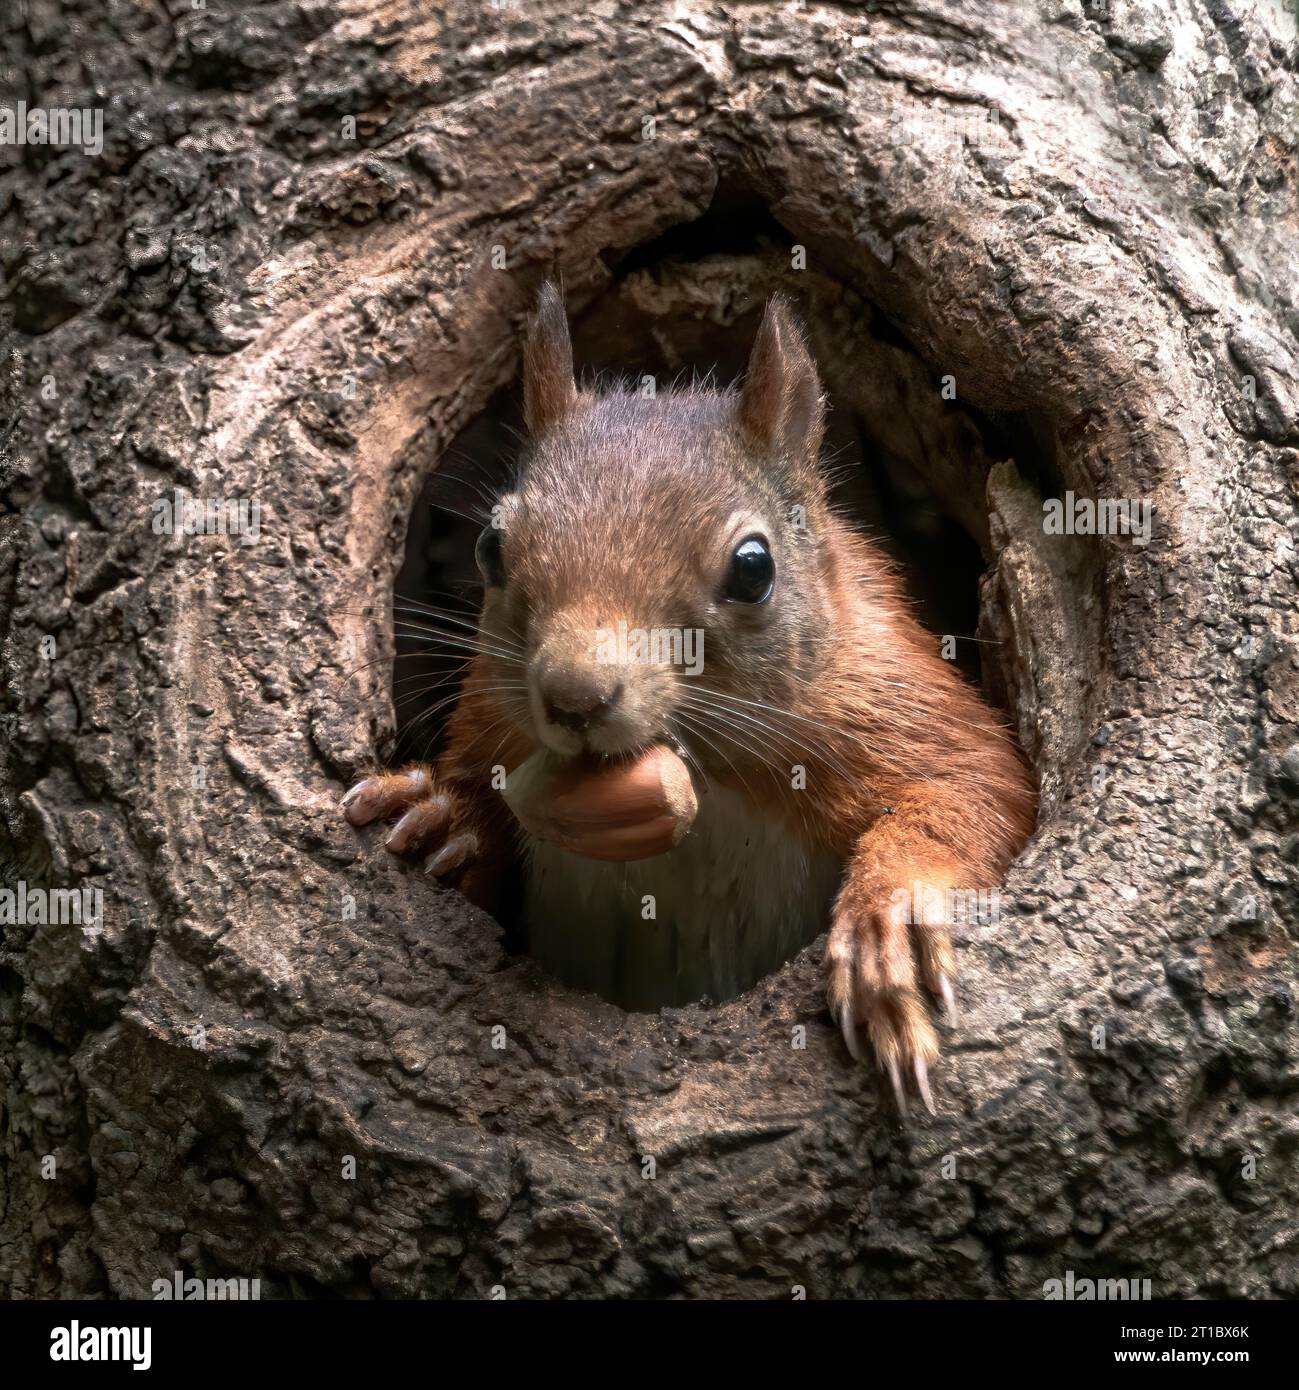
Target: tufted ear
(549, 392)
(780, 409)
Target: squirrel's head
(661, 554)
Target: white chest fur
(739, 895)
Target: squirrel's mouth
(596, 744)
(622, 731)
(594, 758)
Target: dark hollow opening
(912, 473)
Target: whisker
(777, 774)
(498, 638)
(474, 519)
(455, 639)
(365, 665)
(694, 726)
(457, 676)
(446, 700)
(420, 600)
(736, 737)
(689, 754)
(484, 494)
(699, 696)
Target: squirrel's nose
(576, 700)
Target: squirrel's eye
(752, 574)
(487, 555)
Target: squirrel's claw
(425, 818)
(430, 821)
(899, 1093)
(377, 798)
(848, 1025)
(948, 996)
(361, 804)
(873, 987)
(922, 1085)
(421, 826)
(453, 855)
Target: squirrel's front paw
(873, 984)
(428, 818)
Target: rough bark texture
(1117, 264)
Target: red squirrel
(846, 772)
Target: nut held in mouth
(633, 809)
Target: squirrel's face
(658, 555)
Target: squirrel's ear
(780, 404)
(549, 392)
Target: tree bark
(237, 299)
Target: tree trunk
(297, 269)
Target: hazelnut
(617, 810)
